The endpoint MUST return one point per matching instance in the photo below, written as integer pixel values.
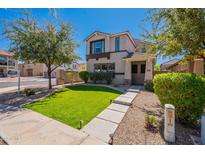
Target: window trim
(101, 40)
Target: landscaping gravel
(132, 128)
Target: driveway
(22, 126)
(11, 84)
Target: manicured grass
(75, 103)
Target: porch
(139, 68)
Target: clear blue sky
(85, 21)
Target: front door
(138, 72)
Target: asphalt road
(10, 84)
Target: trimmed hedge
(185, 91)
(101, 76)
(84, 75)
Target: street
(11, 84)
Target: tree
(177, 32)
(49, 44)
(157, 67)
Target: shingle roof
(169, 63)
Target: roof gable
(96, 33)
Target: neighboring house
(76, 67)
(82, 67)
(176, 65)
(39, 69)
(8, 65)
(122, 54)
(30, 69)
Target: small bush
(151, 122)
(149, 86)
(101, 77)
(29, 91)
(93, 76)
(185, 91)
(108, 77)
(84, 75)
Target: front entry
(138, 72)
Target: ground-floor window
(104, 67)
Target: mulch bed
(132, 128)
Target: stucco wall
(98, 37)
(125, 43)
(116, 58)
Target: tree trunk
(49, 78)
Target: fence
(63, 77)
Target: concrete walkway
(22, 126)
(104, 125)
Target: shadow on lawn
(92, 88)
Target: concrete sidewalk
(104, 125)
(22, 126)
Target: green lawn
(76, 103)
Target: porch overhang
(141, 57)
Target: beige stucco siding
(123, 62)
(114, 58)
(125, 43)
(98, 37)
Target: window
(97, 47)
(134, 68)
(105, 67)
(117, 43)
(142, 68)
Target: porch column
(127, 72)
(149, 70)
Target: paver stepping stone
(118, 107)
(111, 115)
(123, 100)
(133, 90)
(128, 96)
(131, 93)
(101, 129)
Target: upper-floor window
(97, 47)
(117, 43)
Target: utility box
(203, 129)
(169, 123)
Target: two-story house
(8, 64)
(122, 54)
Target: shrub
(149, 86)
(84, 75)
(93, 76)
(101, 76)
(185, 91)
(29, 91)
(151, 122)
(108, 77)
